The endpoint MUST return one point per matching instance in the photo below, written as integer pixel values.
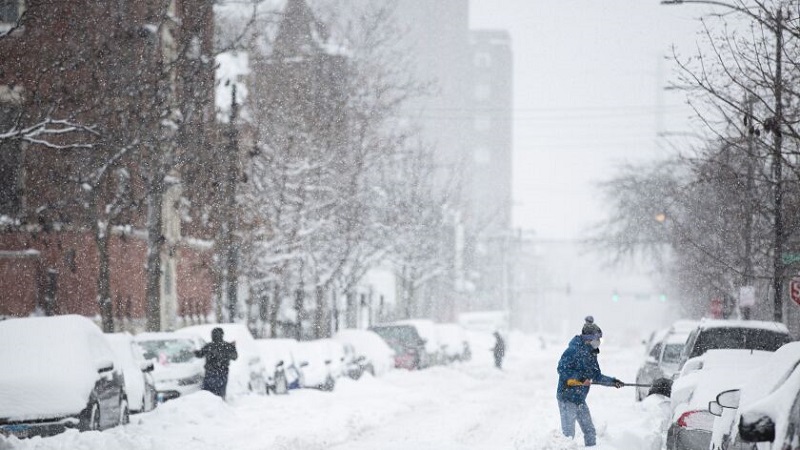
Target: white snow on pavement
(463, 406)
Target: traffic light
(662, 298)
(615, 297)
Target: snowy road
(464, 406)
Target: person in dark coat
(218, 355)
(499, 350)
(578, 369)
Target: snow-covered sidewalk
(463, 406)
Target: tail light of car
(696, 419)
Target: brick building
(110, 66)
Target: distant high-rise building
(490, 250)
(467, 120)
(492, 127)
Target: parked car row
(723, 384)
(68, 374)
(421, 343)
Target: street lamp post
(777, 27)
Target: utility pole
(773, 125)
(777, 170)
(747, 276)
(230, 223)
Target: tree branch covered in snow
(46, 132)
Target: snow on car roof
(231, 331)
(676, 338)
(757, 324)
(777, 405)
(365, 342)
(772, 374)
(54, 360)
(162, 336)
(730, 357)
(684, 326)
(723, 370)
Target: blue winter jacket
(579, 361)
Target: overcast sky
(589, 79)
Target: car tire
(330, 383)
(90, 418)
(124, 412)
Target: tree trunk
(103, 268)
(155, 241)
(104, 280)
(275, 306)
(319, 316)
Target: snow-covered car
(176, 371)
(427, 331)
(701, 380)
(283, 371)
(766, 385)
(408, 345)
(247, 373)
(453, 342)
(662, 361)
(341, 357)
(773, 422)
(58, 373)
(734, 334)
(372, 354)
(140, 386)
(315, 357)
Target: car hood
(43, 397)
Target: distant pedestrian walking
(218, 355)
(499, 350)
(578, 369)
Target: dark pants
(216, 383)
(498, 360)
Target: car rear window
(672, 353)
(738, 338)
(405, 334)
(174, 351)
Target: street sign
(794, 290)
(747, 296)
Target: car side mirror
(651, 360)
(729, 399)
(146, 366)
(715, 408)
(105, 366)
(761, 430)
(303, 363)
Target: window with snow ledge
(10, 12)
(10, 154)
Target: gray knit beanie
(590, 330)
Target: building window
(482, 92)
(482, 156)
(483, 123)
(10, 11)
(483, 59)
(10, 155)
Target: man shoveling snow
(578, 369)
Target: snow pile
(460, 407)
